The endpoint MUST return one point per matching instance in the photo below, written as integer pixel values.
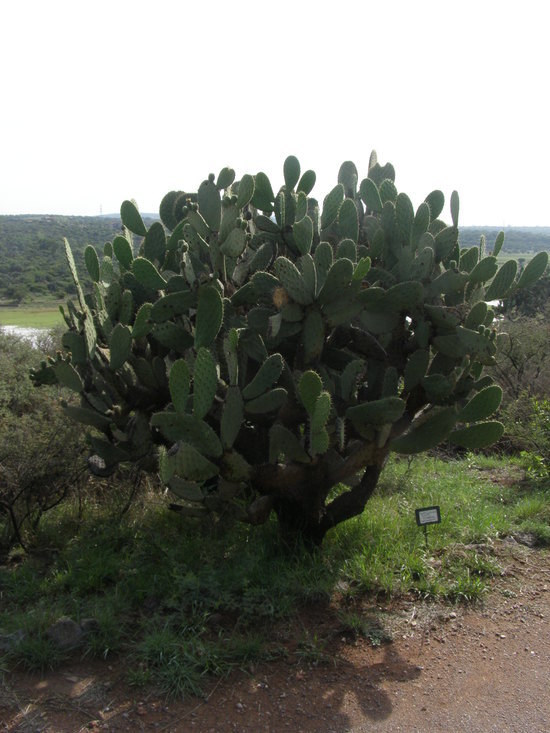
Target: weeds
(182, 604)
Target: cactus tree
(264, 353)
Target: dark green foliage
(300, 331)
(41, 453)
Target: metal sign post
(425, 516)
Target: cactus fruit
(269, 348)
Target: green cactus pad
(235, 468)
(362, 268)
(306, 266)
(455, 207)
(92, 263)
(469, 259)
(196, 220)
(87, 417)
(388, 194)
(120, 345)
(245, 192)
(313, 336)
(445, 243)
(205, 383)
(478, 436)
(321, 412)
(268, 402)
(131, 218)
(154, 244)
(404, 218)
(533, 270)
(436, 202)
(477, 315)
(232, 417)
(76, 345)
(291, 169)
(319, 442)
(348, 177)
(349, 377)
(484, 270)
(465, 341)
(142, 325)
(235, 243)
(370, 195)
(67, 376)
(303, 234)
(338, 278)
(210, 205)
(422, 265)
(173, 336)
(111, 454)
(225, 178)
(144, 373)
(377, 412)
(283, 441)
(448, 282)
(209, 316)
(348, 221)
(307, 182)
(331, 206)
(499, 241)
(292, 281)
(428, 433)
(187, 490)
(192, 465)
(263, 197)
(403, 297)
(147, 274)
(192, 430)
(482, 405)
(113, 298)
(172, 305)
(74, 274)
(126, 310)
(438, 387)
(502, 282)
(415, 368)
(266, 376)
(179, 381)
(444, 319)
(421, 223)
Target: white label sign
(429, 515)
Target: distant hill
(32, 258)
(33, 265)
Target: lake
(25, 332)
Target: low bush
(41, 456)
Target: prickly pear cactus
(257, 349)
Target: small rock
(65, 634)
(10, 641)
(89, 626)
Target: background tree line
(33, 265)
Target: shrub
(259, 350)
(41, 454)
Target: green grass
(504, 255)
(182, 602)
(31, 317)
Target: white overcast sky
(103, 101)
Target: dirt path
(447, 670)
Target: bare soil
(475, 669)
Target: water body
(28, 334)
